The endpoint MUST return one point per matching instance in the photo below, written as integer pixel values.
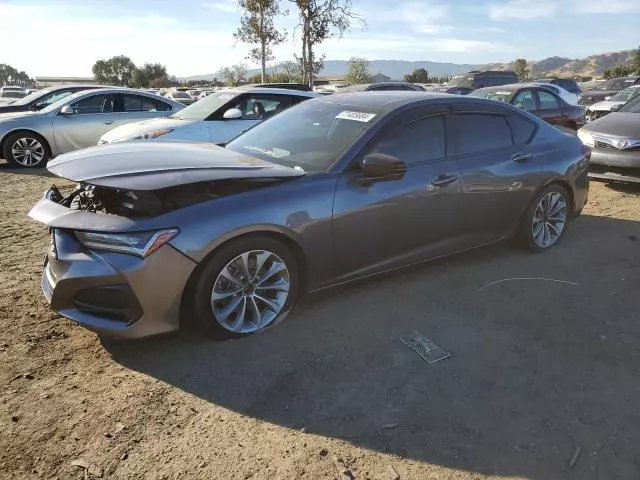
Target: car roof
(269, 91)
(388, 101)
(363, 86)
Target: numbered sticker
(357, 116)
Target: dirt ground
(543, 381)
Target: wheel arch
(47, 144)
(288, 239)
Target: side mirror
(232, 114)
(67, 110)
(379, 166)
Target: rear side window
(138, 103)
(547, 100)
(416, 142)
(480, 132)
(522, 129)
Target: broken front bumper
(614, 164)
(113, 294)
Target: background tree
(318, 21)
(257, 28)
(11, 76)
(119, 71)
(419, 75)
(635, 61)
(291, 70)
(520, 69)
(148, 73)
(358, 71)
(234, 75)
(619, 71)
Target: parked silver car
(217, 118)
(30, 139)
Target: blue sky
(65, 37)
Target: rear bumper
(116, 295)
(615, 165)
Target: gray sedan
(332, 190)
(30, 139)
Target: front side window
(419, 141)
(259, 107)
(480, 132)
(547, 101)
(94, 104)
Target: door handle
(442, 180)
(108, 122)
(521, 157)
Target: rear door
(255, 108)
(382, 224)
(135, 108)
(94, 115)
(550, 109)
(498, 166)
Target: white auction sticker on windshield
(357, 116)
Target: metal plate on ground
(428, 351)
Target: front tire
(26, 150)
(249, 285)
(545, 221)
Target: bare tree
(318, 21)
(358, 71)
(234, 75)
(257, 28)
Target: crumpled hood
(157, 165)
(617, 124)
(126, 132)
(604, 106)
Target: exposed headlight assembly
(586, 138)
(140, 244)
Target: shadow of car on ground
(538, 368)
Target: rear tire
(231, 301)
(546, 219)
(26, 150)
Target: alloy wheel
(549, 219)
(27, 151)
(250, 291)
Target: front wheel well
(293, 246)
(24, 130)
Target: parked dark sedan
(615, 143)
(537, 100)
(43, 98)
(606, 89)
(334, 189)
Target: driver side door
(385, 223)
(92, 117)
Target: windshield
(626, 94)
(461, 81)
(13, 94)
(205, 107)
(311, 136)
(633, 106)
(32, 96)
(616, 84)
(493, 94)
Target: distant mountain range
(593, 66)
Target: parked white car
(570, 98)
(612, 103)
(178, 96)
(11, 94)
(217, 118)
